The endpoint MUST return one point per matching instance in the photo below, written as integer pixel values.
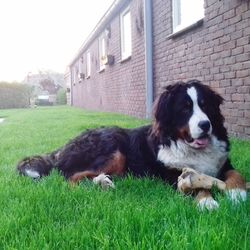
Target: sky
(44, 34)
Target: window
(126, 38)
(102, 52)
(80, 71)
(186, 13)
(75, 74)
(88, 64)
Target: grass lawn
(138, 214)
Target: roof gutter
(148, 27)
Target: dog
(187, 131)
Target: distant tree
(49, 85)
(46, 81)
(61, 98)
(14, 95)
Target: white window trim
(125, 54)
(102, 48)
(73, 75)
(88, 64)
(176, 16)
(76, 74)
(79, 70)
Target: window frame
(76, 69)
(102, 51)
(73, 75)
(177, 24)
(88, 64)
(126, 52)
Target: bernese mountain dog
(187, 131)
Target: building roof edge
(114, 7)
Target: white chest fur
(207, 161)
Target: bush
(14, 95)
(61, 98)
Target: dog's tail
(35, 166)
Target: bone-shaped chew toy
(190, 180)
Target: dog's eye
(202, 104)
(186, 108)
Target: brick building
(140, 46)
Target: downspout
(148, 28)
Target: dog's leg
(77, 177)
(114, 166)
(100, 179)
(35, 166)
(205, 200)
(235, 186)
(104, 181)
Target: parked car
(44, 100)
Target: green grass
(138, 214)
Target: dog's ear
(160, 116)
(217, 98)
(162, 111)
(162, 105)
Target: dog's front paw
(236, 195)
(207, 203)
(104, 181)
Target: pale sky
(44, 34)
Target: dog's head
(190, 112)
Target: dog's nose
(204, 125)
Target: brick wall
(121, 86)
(217, 52)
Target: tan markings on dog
(81, 175)
(234, 180)
(183, 132)
(115, 166)
(155, 130)
(203, 193)
(205, 200)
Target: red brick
(237, 50)
(229, 60)
(242, 73)
(229, 75)
(243, 41)
(247, 131)
(246, 48)
(244, 90)
(225, 83)
(244, 122)
(247, 113)
(238, 129)
(216, 52)
(237, 82)
(237, 97)
(229, 14)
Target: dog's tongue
(201, 143)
